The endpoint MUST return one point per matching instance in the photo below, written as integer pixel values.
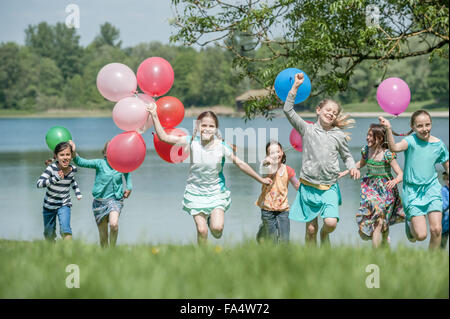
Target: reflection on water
(153, 212)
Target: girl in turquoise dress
(380, 205)
(206, 197)
(108, 193)
(421, 188)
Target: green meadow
(39, 270)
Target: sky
(138, 20)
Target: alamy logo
(73, 279)
(373, 280)
(73, 19)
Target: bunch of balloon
(155, 78)
(117, 83)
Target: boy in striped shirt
(58, 178)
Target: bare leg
(435, 219)
(113, 228)
(376, 235)
(202, 228)
(216, 222)
(103, 232)
(329, 225)
(419, 227)
(312, 228)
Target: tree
(326, 39)
(109, 35)
(58, 43)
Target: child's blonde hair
(342, 121)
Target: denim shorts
(63, 214)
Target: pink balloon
(126, 152)
(149, 123)
(130, 114)
(296, 140)
(155, 76)
(393, 95)
(116, 81)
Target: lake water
(153, 213)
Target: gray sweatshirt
(320, 162)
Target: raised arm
(394, 147)
(162, 135)
(296, 121)
(78, 160)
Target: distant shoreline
(191, 112)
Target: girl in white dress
(206, 196)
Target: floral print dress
(378, 204)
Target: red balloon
(155, 76)
(171, 153)
(296, 140)
(126, 152)
(170, 111)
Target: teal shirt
(421, 158)
(108, 182)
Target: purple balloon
(116, 81)
(130, 114)
(393, 95)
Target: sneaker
(409, 235)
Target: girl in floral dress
(381, 205)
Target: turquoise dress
(421, 187)
(108, 187)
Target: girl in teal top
(108, 193)
(421, 187)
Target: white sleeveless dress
(205, 188)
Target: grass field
(38, 270)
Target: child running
(381, 205)
(273, 200)
(421, 188)
(323, 143)
(58, 177)
(206, 197)
(108, 193)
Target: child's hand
(126, 193)
(384, 122)
(267, 161)
(61, 174)
(354, 173)
(72, 144)
(79, 197)
(151, 108)
(267, 181)
(390, 184)
(298, 80)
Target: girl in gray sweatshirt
(323, 143)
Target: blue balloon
(284, 82)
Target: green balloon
(56, 135)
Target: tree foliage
(326, 39)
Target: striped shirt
(58, 190)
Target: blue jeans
(274, 225)
(63, 214)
